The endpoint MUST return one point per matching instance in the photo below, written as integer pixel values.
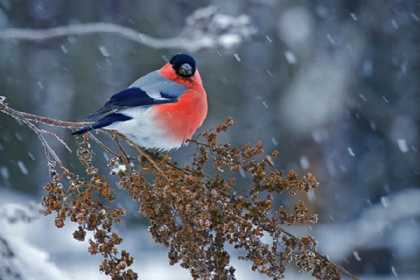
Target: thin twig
(149, 158)
(142, 153)
(38, 119)
(124, 155)
(49, 152)
(92, 28)
(199, 143)
(342, 270)
(61, 141)
(174, 166)
(30, 120)
(102, 145)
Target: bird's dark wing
(103, 122)
(131, 97)
(149, 90)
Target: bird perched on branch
(160, 110)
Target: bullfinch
(160, 110)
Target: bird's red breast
(182, 118)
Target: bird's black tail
(103, 122)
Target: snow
(351, 152)
(304, 162)
(229, 41)
(372, 125)
(363, 97)
(269, 73)
(22, 167)
(119, 168)
(104, 51)
(403, 239)
(242, 172)
(332, 100)
(31, 156)
(27, 261)
(208, 27)
(331, 39)
(15, 212)
(402, 145)
(290, 57)
(64, 49)
(40, 84)
(222, 20)
(338, 240)
(4, 173)
(394, 272)
(274, 141)
(353, 16)
(385, 99)
(357, 256)
(295, 26)
(395, 24)
(60, 257)
(237, 57)
(384, 202)
(265, 104)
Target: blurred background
(333, 85)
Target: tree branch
(32, 121)
(90, 28)
(205, 28)
(4, 108)
(219, 192)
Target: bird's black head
(183, 64)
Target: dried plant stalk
(194, 210)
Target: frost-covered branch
(33, 121)
(205, 28)
(19, 259)
(8, 269)
(14, 212)
(36, 119)
(341, 239)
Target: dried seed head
(194, 210)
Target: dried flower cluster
(87, 203)
(224, 197)
(195, 210)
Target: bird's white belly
(144, 130)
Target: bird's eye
(185, 70)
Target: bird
(160, 110)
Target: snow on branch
(33, 122)
(14, 212)
(8, 269)
(21, 260)
(205, 28)
(341, 239)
